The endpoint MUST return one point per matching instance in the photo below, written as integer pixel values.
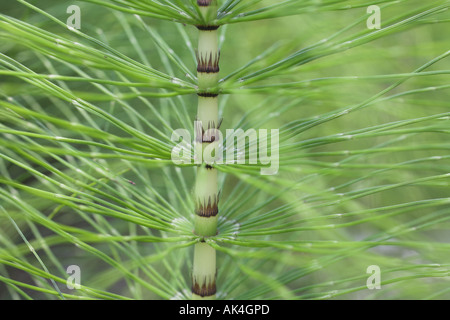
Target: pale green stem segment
(208, 9)
(208, 59)
(206, 191)
(206, 186)
(208, 42)
(208, 112)
(204, 272)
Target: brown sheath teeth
(210, 209)
(208, 64)
(204, 290)
(209, 135)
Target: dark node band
(207, 94)
(207, 28)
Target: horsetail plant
(206, 186)
(92, 114)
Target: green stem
(204, 272)
(206, 186)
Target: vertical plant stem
(206, 129)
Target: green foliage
(86, 119)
